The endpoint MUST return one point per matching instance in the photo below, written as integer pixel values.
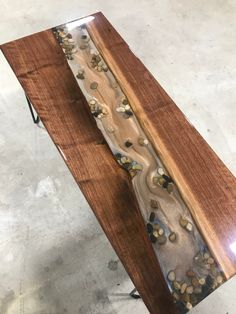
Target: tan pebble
(189, 226)
(190, 273)
(172, 237)
(92, 102)
(99, 68)
(123, 159)
(202, 281)
(189, 289)
(183, 288)
(189, 306)
(161, 180)
(137, 167)
(161, 171)
(105, 68)
(219, 279)
(171, 275)
(142, 141)
(120, 109)
(208, 266)
(175, 295)
(161, 231)
(127, 107)
(197, 290)
(155, 180)
(195, 282)
(110, 129)
(104, 110)
(185, 297)
(153, 203)
(94, 85)
(206, 255)
(210, 260)
(176, 285)
(155, 233)
(170, 187)
(183, 222)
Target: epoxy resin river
(190, 270)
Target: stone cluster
(98, 110)
(130, 165)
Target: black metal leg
(37, 119)
(134, 295)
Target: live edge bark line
(205, 183)
(44, 74)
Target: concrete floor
(54, 256)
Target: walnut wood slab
(205, 183)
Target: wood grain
(204, 181)
(42, 69)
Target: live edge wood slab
(205, 183)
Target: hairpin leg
(134, 295)
(37, 119)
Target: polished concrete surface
(54, 256)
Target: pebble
(149, 228)
(105, 68)
(155, 233)
(172, 237)
(161, 171)
(190, 273)
(94, 85)
(189, 306)
(142, 141)
(206, 255)
(183, 222)
(137, 167)
(153, 203)
(155, 180)
(127, 107)
(189, 289)
(120, 109)
(110, 129)
(160, 231)
(125, 101)
(80, 74)
(161, 181)
(195, 282)
(170, 188)
(128, 143)
(219, 279)
(175, 296)
(183, 288)
(189, 226)
(210, 260)
(176, 285)
(202, 281)
(129, 113)
(171, 275)
(152, 217)
(197, 290)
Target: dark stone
(152, 238)
(152, 217)
(129, 113)
(118, 156)
(165, 185)
(168, 179)
(149, 228)
(128, 144)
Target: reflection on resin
(190, 270)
